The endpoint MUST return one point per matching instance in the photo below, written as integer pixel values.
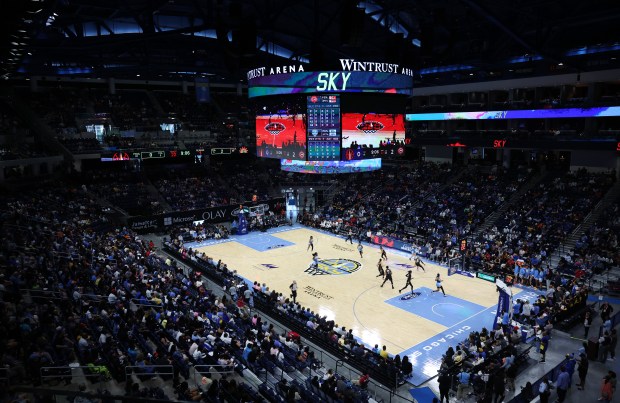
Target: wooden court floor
(354, 300)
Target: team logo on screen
(275, 127)
(120, 157)
(334, 267)
(370, 126)
(314, 99)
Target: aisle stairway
(155, 103)
(493, 217)
(610, 197)
(598, 282)
(155, 194)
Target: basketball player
(310, 244)
(360, 249)
(383, 254)
(349, 237)
(438, 281)
(315, 261)
(408, 282)
(380, 268)
(388, 277)
(413, 253)
(419, 264)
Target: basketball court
(345, 288)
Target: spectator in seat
(363, 380)
(406, 367)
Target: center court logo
(342, 248)
(410, 295)
(334, 267)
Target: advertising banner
(210, 215)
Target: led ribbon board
(519, 114)
(330, 82)
(330, 167)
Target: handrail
(130, 370)
(97, 395)
(133, 301)
(70, 373)
(43, 291)
(201, 370)
(374, 384)
(4, 376)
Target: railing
(137, 302)
(202, 370)
(67, 372)
(69, 395)
(47, 294)
(142, 370)
(615, 319)
(4, 376)
(373, 386)
(552, 376)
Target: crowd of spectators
(391, 367)
(597, 249)
(81, 145)
(369, 200)
(220, 184)
(185, 109)
(58, 107)
(198, 232)
(10, 123)
(17, 140)
(537, 223)
(414, 206)
(23, 151)
(108, 301)
(129, 110)
(124, 189)
(189, 193)
(488, 361)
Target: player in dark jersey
(388, 277)
(380, 268)
(419, 264)
(408, 282)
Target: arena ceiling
(443, 40)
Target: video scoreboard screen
(372, 135)
(350, 114)
(144, 155)
(281, 136)
(323, 127)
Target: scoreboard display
(356, 113)
(144, 155)
(323, 127)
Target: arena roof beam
(516, 37)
